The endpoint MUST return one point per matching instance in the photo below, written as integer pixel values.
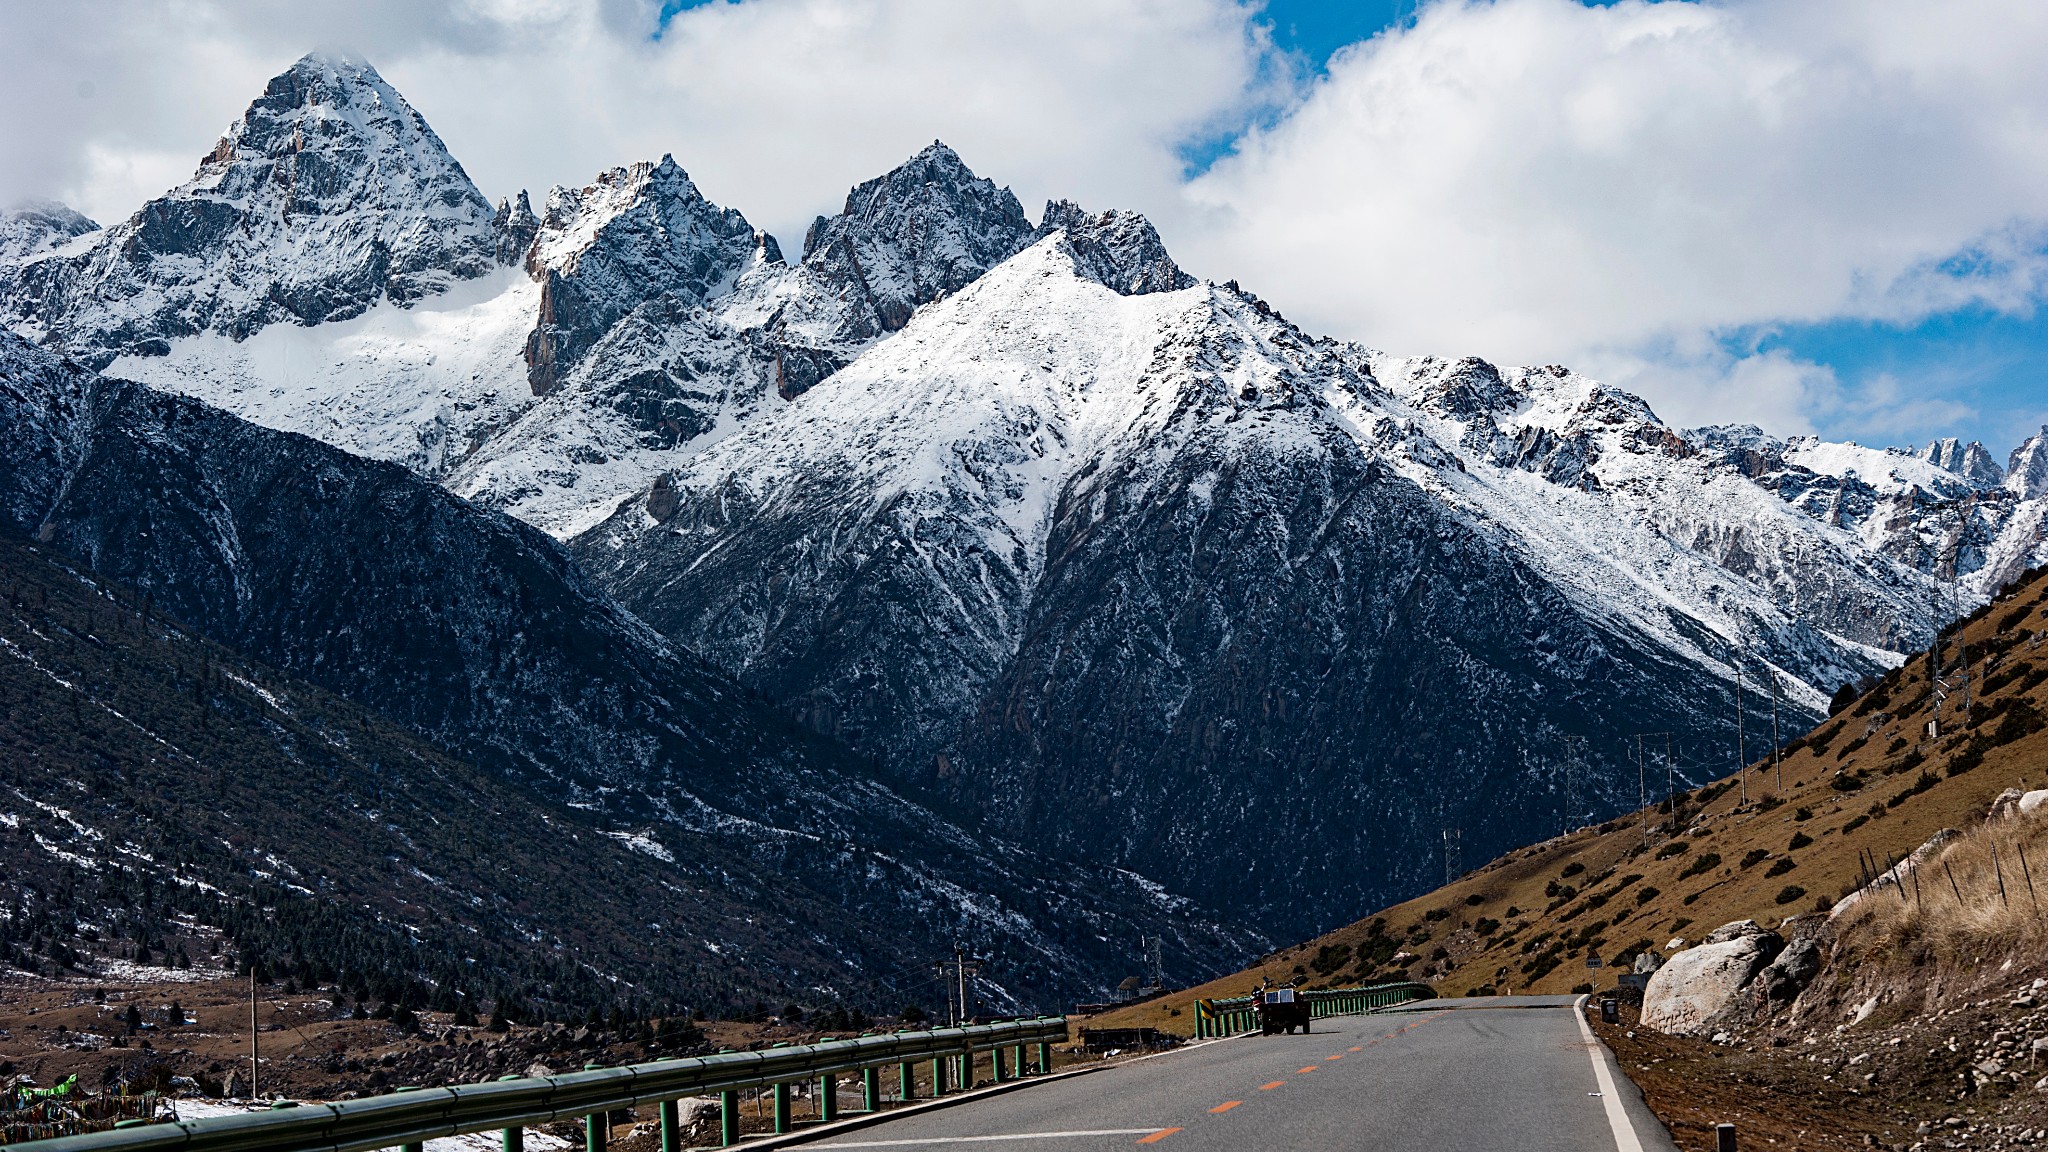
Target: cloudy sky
(1818, 215)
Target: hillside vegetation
(1844, 801)
(163, 798)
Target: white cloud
(776, 107)
(1539, 181)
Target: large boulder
(2034, 803)
(1701, 987)
(1783, 979)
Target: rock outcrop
(1704, 988)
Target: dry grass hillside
(1868, 785)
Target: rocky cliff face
(329, 195)
(927, 229)
(634, 234)
(1970, 461)
(478, 633)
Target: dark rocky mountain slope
(479, 634)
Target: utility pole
(1670, 784)
(960, 967)
(1777, 760)
(1571, 781)
(1741, 748)
(1454, 845)
(1642, 791)
(252, 1030)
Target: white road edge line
(985, 1139)
(1617, 1116)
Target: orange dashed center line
(1338, 1056)
(1270, 1087)
(1226, 1106)
(1310, 1068)
(1156, 1137)
(1356, 1048)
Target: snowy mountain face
(1048, 529)
(1970, 461)
(478, 633)
(1974, 525)
(1140, 572)
(34, 229)
(329, 196)
(635, 234)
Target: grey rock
(1970, 461)
(2026, 473)
(632, 235)
(1702, 988)
(924, 230)
(1119, 249)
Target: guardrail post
(729, 1117)
(410, 1147)
(906, 1083)
(514, 1139)
(939, 1074)
(828, 1097)
(1023, 1067)
(597, 1127)
(871, 1089)
(995, 1063)
(1044, 1056)
(782, 1110)
(671, 1121)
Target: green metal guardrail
(410, 1117)
(1227, 1017)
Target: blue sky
(1979, 373)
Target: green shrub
(1799, 840)
(1675, 848)
(1789, 893)
(1785, 864)
(1703, 863)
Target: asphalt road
(1510, 1073)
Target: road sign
(1592, 961)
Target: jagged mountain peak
(918, 232)
(30, 229)
(2026, 472)
(632, 234)
(327, 196)
(1120, 249)
(1970, 461)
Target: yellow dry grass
(1775, 841)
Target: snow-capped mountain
(328, 196)
(480, 634)
(1033, 518)
(35, 229)
(1156, 574)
